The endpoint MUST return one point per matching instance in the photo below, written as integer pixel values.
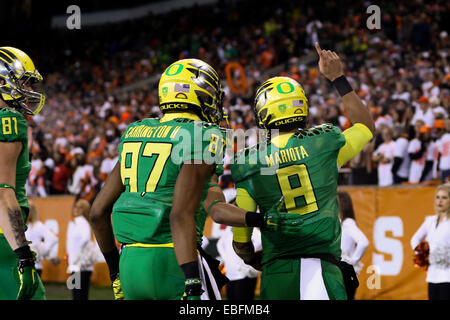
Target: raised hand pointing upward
(330, 64)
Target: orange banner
(56, 212)
(389, 217)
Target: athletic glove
(112, 260)
(29, 278)
(193, 289)
(117, 287)
(284, 222)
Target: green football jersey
(14, 127)
(151, 156)
(305, 173)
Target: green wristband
(7, 186)
(212, 204)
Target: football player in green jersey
(18, 277)
(155, 190)
(301, 165)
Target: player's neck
(281, 139)
(278, 133)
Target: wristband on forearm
(24, 252)
(7, 186)
(212, 205)
(112, 259)
(342, 85)
(191, 270)
(254, 219)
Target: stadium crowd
(401, 72)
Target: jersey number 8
(294, 183)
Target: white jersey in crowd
(108, 165)
(385, 177)
(427, 117)
(443, 145)
(434, 150)
(82, 252)
(417, 166)
(235, 268)
(81, 172)
(353, 244)
(401, 151)
(43, 240)
(438, 239)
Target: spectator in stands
(436, 232)
(36, 176)
(443, 146)
(424, 112)
(353, 241)
(363, 171)
(108, 162)
(420, 152)
(384, 155)
(60, 175)
(83, 180)
(400, 168)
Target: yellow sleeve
(356, 137)
(246, 202)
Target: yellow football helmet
(18, 76)
(280, 102)
(191, 85)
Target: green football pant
(9, 274)
(150, 274)
(302, 279)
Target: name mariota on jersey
(286, 155)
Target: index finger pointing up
(319, 51)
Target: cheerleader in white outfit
(353, 241)
(436, 232)
(43, 240)
(82, 252)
